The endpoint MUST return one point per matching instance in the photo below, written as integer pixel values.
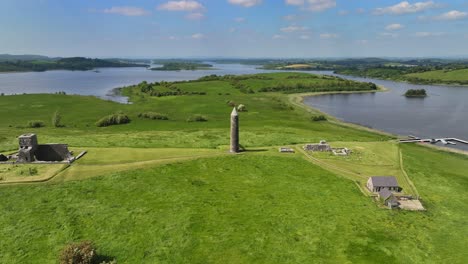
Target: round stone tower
(234, 131)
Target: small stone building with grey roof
(388, 198)
(378, 183)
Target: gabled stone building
(377, 183)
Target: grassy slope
(269, 120)
(442, 75)
(239, 209)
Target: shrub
(36, 124)
(115, 119)
(153, 115)
(197, 118)
(56, 119)
(231, 103)
(241, 108)
(33, 171)
(319, 118)
(78, 253)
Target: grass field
(239, 209)
(367, 159)
(166, 191)
(443, 75)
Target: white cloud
(239, 19)
(405, 8)
(428, 34)
(389, 35)
(304, 37)
(245, 3)
(195, 16)
(172, 38)
(278, 37)
(394, 27)
(328, 36)
(290, 29)
(452, 15)
(295, 2)
(313, 5)
(198, 36)
(232, 30)
(362, 42)
(188, 6)
(126, 11)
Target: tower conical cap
(234, 112)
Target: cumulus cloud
(198, 36)
(313, 5)
(328, 36)
(245, 3)
(428, 34)
(290, 29)
(188, 6)
(452, 15)
(394, 27)
(126, 11)
(195, 16)
(405, 8)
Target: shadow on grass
(103, 259)
(254, 150)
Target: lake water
(103, 82)
(443, 114)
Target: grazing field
(248, 208)
(367, 159)
(449, 76)
(167, 191)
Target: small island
(179, 66)
(416, 93)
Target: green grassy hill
(167, 191)
(448, 76)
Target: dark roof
(384, 181)
(385, 194)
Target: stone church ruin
(31, 151)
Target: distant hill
(74, 64)
(26, 57)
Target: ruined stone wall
(52, 152)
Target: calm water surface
(103, 82)
(443, 114)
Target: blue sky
(234, 28)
